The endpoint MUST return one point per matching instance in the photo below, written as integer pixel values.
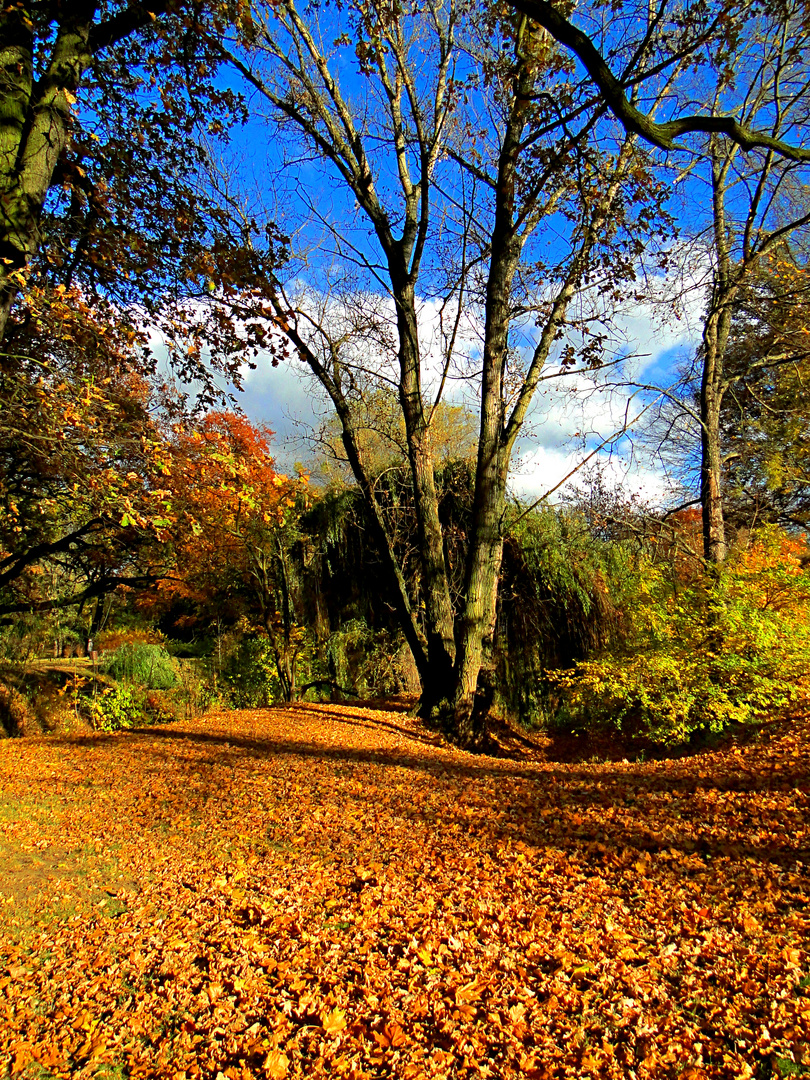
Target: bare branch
(663, 135)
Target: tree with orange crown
(234, 516)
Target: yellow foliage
(734, 649)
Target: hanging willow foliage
(555, 599)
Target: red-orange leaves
(183, 901)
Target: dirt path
(325, 891)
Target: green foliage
(367, 662)
(20, 638)
(764, 422)
(699, 657)
(118, 707)
(250, 675)
(559, 588)
(126, 705)
(145, 665)
(344, 650)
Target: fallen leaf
(276, 1064)
(334, 1022)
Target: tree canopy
(474, 200)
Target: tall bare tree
(744, 197)
(493, 192)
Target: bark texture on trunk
(35, 124)
(711, 463)
(498, 432)
(439, 618)
(716, 329)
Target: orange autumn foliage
(228, 498)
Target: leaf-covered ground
(324, 891)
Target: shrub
(161, 708)
(197, 691)
(109, 640)
(144, 664)
(369, 663)
(118, 707)
(733, 649)
(250, 676)
(16, 715)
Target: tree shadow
(453, 763)
(357, 719)
(540, 804)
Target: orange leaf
(394, 1034)
(276, 1064)
(334, 1022)
(471, 991)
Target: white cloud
(554, 473)
(568, 413)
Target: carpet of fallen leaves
(324, 890)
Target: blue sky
(296, 191)
(563, 420)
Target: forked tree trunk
(473, 688)
(452, 648)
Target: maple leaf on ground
(334, 1022)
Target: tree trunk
(474, 687)
(439, 616)
(712, 388)
(35, 123)
(711, 498)
(473, 690)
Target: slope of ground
(323, 890)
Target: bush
(722, 651)
(561, 591)
(118, 707)
(109, 640)
(16, 715)
(370, 663)
(197, 691)
(161, 707)
(144, 664)
(250, 676)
